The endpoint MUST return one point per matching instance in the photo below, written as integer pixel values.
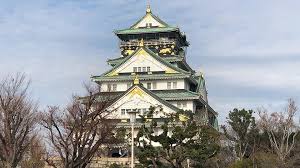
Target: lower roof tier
(166, 95)
(128, 77)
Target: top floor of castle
(157, 35)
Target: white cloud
(61, 43)
(278, 75)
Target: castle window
(148, 69)
(144, 69)
(114, 87)
(148, 85)
(184, 105)
(174, 85)
(169, 84)
(122, 111)
(148, 24)
(139, 69)
(108, 87)
(134, 69)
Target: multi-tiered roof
(155, 51)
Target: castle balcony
(160, 42)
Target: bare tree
(17, 119)
(77, 132)
(34, 156)
(281, 129)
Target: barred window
(114, 87)
(174, 85)
(169, 85)
(123, 111)
(148, 85)
(108, 87)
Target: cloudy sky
(249, 50)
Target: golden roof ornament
(148, 10)
(136, 81)
(202, 74)
(141, 43)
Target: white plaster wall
(160, 84)
(121, 86)
(190, 105)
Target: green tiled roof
(117, 61)
(147, 30)
(201, 83)
(159, 98)
(141, 77)
(166, 95)
(179, 94)
(176, 94)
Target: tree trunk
(154, 163)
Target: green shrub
(114, 165)
(245, 163)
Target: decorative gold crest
(128, 52)
(165, 51)
(136, 91)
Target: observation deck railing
(148, 42)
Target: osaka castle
(153, 70)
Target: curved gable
(144, 58)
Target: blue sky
(249, 50)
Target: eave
(141, 77)
(146, 30)
(169, 59)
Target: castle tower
(155, 52)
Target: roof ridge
(168, 57)
(139, 30)
(142, 77)
(115, 59)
